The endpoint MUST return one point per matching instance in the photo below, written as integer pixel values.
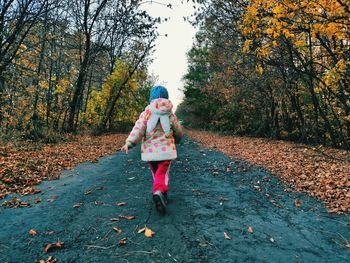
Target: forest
(67, 66)
(261, 175)
(277, 69)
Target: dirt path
(210, 194)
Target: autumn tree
(63, 55)
(277, 68)
(17, 18)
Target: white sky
(170, 60)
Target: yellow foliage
(99, 100)
(246, 46)
(269, 31)
(44, 84)
(263, 51)
(300, 43)
(259, 69)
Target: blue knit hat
(158, 92)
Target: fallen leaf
(141, 230)
(37, 191)
(52, 246)
(50, 259)
(47, 247)
(52, 198)
(121, 204)
(25, 204)
(77, 205)
(122, 241)
(127, 217)
(88, 192)
(297, 203)
(59, 244)
(149, 232)
(15, 203)
(32, 232)
(250, 230)
(37, 200)
(257, 187)
(118, 230)
(226, 236)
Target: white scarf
(160, 111)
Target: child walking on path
(158, 128)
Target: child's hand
(125, 148)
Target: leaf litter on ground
(321, 172)
(25, 164)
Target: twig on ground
(105, 237)
(93, 246)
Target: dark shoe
(159, 201)
(165, 194)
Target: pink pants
(160, 172)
